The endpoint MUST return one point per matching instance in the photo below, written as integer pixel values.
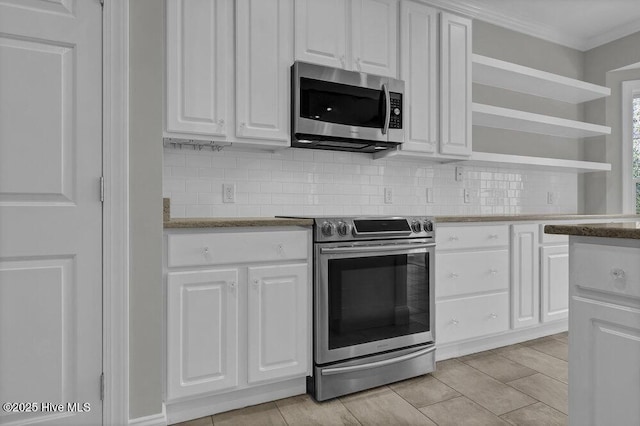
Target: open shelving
(518, 78)
(486, 159)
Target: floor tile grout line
(349, 411)
(508, 359)
(529, 405)
(537, 350)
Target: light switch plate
(459, 171)
(551, 197)
(467, 195)
(388, 196)
(429, 195)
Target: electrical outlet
(467, 195)
(429, 195)
(228, 192)
(388, 196)
(551, 197)
(459, 171)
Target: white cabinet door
(604, 372)
(554, 283)
(418, 69)
(197, 55)
(455, 85)
(264, 54)
(374, 32)
(202, 332)
(525, 281)
(321, 32)
(278, 321)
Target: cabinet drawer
(236, 247)
(460, 273)
(471, 317)
(552, 238)
(611, 269)
(482, 236)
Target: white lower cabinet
(472, 317)
(202, 332)
(277, 334)
(554, 283)
(525, 278)
(604, 338)
(238, 318)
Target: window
(630, 146)
(636, 150)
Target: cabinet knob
(618, 274)
(205, 252)
(453, 238)
(342, 61)
(232, 285)
(493, 316)
(221, 123)
(280, 249)
(453, 275)
(493, 236)
(455, 321)
(493, 271)
(256, 283)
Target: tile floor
(523, 384)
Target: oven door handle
(374, 249)
(352, 368)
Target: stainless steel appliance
(374, 302)
(345, 110)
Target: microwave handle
(387, 106)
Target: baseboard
(205, 406)
(159, 419)
(456, 349)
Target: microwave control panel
(395, 122)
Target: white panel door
(418, 69)
(554, 283)
(604, 372)
(374, 30)
(455, 85)
(321, 32)
(525, 279)
(197, 79)
(278, 321)
(264, 54)
(202, 332)
(50, 209)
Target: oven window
(340, 103)
(376, 298)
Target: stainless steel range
(373, 302)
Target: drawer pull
(453, 275)
(493, 236)
(493, 316)
(493, 271)
(618, 274)
(455, 321)
(453, 238)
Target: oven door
(339, 104)
(372, 297)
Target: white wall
(313, 182)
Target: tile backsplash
(313, 182)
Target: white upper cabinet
(264, 54)
(455, 85)
(197, 76)
(357, 35)
(321, 32)
(418, 69)
(374, 33)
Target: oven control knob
(328, 229)
(428, 225)
(416, 226)
(344, 228)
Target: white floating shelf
(505, 118)
(487, 159)
(506, 75)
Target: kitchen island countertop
(629, 230)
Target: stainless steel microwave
(345, 110)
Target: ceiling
(580, 24)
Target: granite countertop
(606, 230)
(536, 217)
(230, 222)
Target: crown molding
(615, 34)
(475, 9)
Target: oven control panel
(373, 228)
